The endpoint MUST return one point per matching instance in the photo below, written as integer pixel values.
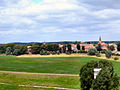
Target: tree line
(46, 49)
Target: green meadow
(57, 65)
(13, 80)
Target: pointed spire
(100, 38)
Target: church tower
(100, 39)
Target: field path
(43, 74)
(44, 87)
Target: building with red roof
(103, 45)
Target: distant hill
(63, 42)
(20, 43)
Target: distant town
(60, 47)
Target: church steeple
(100, 39)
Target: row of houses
(84, 46)
(87, 47)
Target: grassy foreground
(13, 80)
(62, 65)
(58, 65)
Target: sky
(59, 20)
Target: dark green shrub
(44, 52)
(108, 54)
(78, 46)
(116, 58)
(92, 51)
(8, 51)
(103, 51)
(47, 53)
(23, 48)
(69, 47)
(112, 48)
(53, 52)
(16, 52)
(35, 49)
(99, 47)
(82, 51)
(113, 54)
(83, 47)
(106, 80)
(1, 51)
(118, 46)
(58, 52)
(117, 54)
(98, 55)
(68, 53)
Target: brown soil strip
(43, 74)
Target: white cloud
(28, 8)
(76, 17)
(51, 30)
(108, 13)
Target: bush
(44, 52)
(58, 52)
(106, 80)
(1, 51)
(82, 51)
(8, 51)
(35, 49)
(16, 52)
(116, 58)
(92, 51)
(113, 54)
(53, 52)
(108, 54)
(68, 53)
(47, 53)
(117, 54)
(112, 48)
(98, 55)
(78, 46)
(103, 51)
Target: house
(74, 47)
(29, 50)
(86, 47)
(61, 47)
(104, 46)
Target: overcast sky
(59, 20)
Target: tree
(103, 51)
(112, 48)
(83, 47)
(22, 48)
(64, 48)
(78, 46)
(106, 80)
(118, 46)
(108, 54)
(76, 42)
(2, 49)
(55, 47)
(16, 52)
(69, 47)
(99, 47)
(44, 52)
(92, 51)
(35, 49)
(8, 51)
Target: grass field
(62, 65)
(58, 65)
(13, 80)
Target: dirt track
(43, 74)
